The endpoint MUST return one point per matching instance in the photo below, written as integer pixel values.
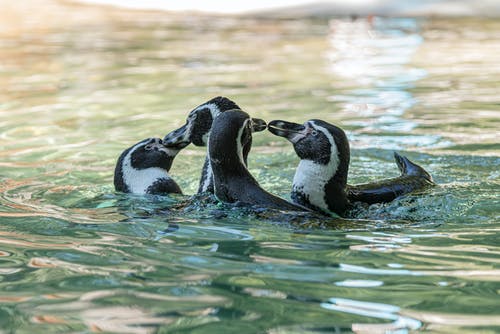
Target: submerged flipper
(413, 178)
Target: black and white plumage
(143, 168)
(320, 180)
(197, 130)
(231, 132)
(321, 176)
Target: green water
(75, 257)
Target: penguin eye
(314, 133)
(148, 147)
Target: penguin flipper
(408, 167)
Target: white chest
(310, 179)
(138, 181)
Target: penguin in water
(143, 168)
(320, 180)
(231, 133)
(197, 130)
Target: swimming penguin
(320, 180)
(143, 168)
(197, 130)
(231, 132)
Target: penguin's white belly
(138, 181)
(310, 179)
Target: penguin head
(199, 122)
(152, 152)
(315, 140)
(142, 164)
(231, 136)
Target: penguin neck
(227, 164)
(207, 175)
(230, 175)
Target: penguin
(320, 180)
(143, 168)
(231, 133)
(197, 130)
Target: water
(81, 86)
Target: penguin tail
(407, 167)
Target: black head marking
(152, 153)
(199, 122)
(316, 140)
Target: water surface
(80, 84)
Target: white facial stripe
(334, 152)
(239, 147)
(189, 127)
(138, 180)
(214, 111)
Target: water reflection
(373, 54)
(74, 256)
(400, 324)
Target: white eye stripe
(239, 146)
(334, 152)
(193, 115)
(214, 110)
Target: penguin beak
(156, 145)
(177, 139)
(258, 125)
(292, 131)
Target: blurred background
(80, 81)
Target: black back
(413, 178)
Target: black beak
(258, 125)
(291, 131)
(177, 139)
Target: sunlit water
(77, 257)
